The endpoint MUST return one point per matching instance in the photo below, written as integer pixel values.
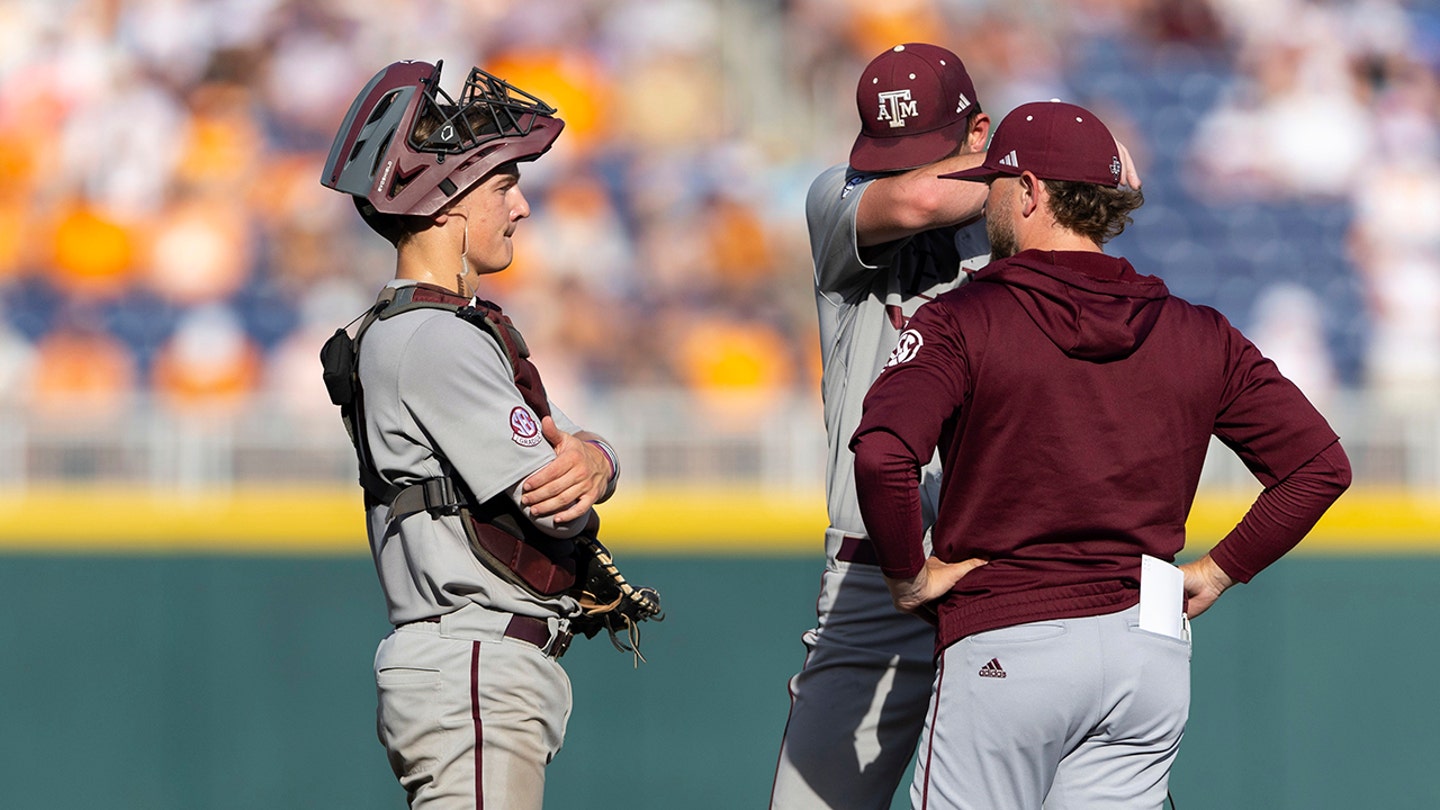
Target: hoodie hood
(1092, 306)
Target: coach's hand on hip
(914, 595)
(1204, 582)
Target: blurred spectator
(224, 144)
(584, 237)
(309, 40)
(209, 368)
(737, 368)
(1395, 236)
(202, 248)
(1395, 245)
(874, 27)
(20, 153)
(92, 254)
(572, 81)
(291, 384)
(122, 147)
(737, 245)
(1294, 123)
(1288, 326)
(82, 374)
(299, 240)
(167, 149)
(17, 366)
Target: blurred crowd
(163, 233)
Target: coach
(1072, 400)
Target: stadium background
(188, 611)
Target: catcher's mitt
(608, 602)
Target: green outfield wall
(230, 681)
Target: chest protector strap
(498, 532)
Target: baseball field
(179, 653)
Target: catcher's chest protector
(498, 531)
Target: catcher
(478, 489)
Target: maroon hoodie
(1073, 401)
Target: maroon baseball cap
(1052, 140)
(913, 100)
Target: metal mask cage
(489, 108)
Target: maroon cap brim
(981, 173)
(905, 152)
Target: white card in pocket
(1162, 597)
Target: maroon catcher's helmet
(406, 147)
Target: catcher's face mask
(407, 147)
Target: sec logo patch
(906, 349)
(524, 430)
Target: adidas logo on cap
(1010, 160)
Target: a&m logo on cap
(896, 106)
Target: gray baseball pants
(858, 704)
(1072, 714)
(468, 717)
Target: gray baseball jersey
(858, 703)
(472, 705)
(864, 297)
(469, 416)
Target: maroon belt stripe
(856, 549)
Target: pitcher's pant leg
(859, 702)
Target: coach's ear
(1031, 189)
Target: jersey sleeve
(842, 267)
(1285, 442)
(471, 412)
(1264, 417)
(1283, 514)
(562, 421)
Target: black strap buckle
(440, 498)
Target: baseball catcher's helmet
(406, 147)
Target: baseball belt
(529, 629)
